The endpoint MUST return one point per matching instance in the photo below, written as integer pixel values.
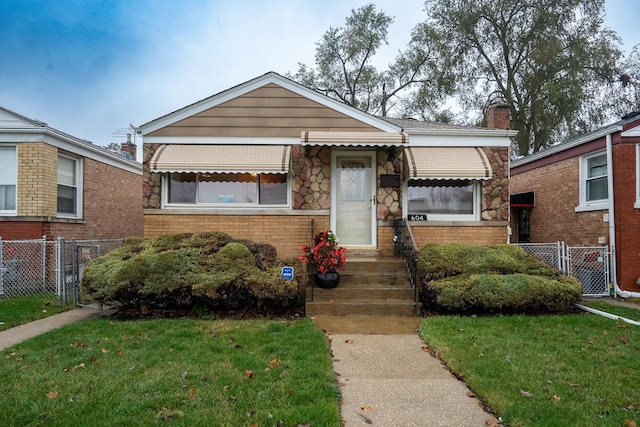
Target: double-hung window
(594, 186)
(8, 180)
(443, 200)
(69, 186)
(226, 189)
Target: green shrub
(511, 293)
(492, 279)
(208, 271)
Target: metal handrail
(406, 247)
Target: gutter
(612, 227)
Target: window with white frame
(594, 190)
(440, 200)
(225, 189)
(8, 180)
(69, 186)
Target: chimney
(129, 148)
(499, 116)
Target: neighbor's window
(227, 189)
(8, 180)
(69, 191)
(594, 191)
(443, 199)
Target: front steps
(369, 286)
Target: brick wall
(111, 204)
(627, 218)
(37, 179)
(469, 235)
(286, 232)
(557, 193)
(21, 230)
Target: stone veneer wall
(495, 191)
(150, 180)
(311, 172)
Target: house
(584, 191)
(273, 161)
(55, 185)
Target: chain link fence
(50, 268)
(588, 264)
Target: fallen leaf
(52, 395)
(631, 406)
(426, 349)
(471, 394)
(342, 384)
(556, 398)
(274, 363)
(192, 393)
(79, 344)
(120, 353)
(624, 340)
(104, 350)
(526, 393)
(590, 340)
(184, 375)
(225, 388)
(492, 422)
(367, 408)
(348, 341)
(249, 373)
(622, 325)
(629, 423)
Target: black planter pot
(327, 280)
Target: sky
(92, 68)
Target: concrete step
(389, 307)
(393, 280)
(342, 293)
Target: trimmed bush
(492, 279)
(208, 271)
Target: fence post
(61, 276)
(43, 260)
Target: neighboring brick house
(55, 185)
(267, 158)
(563, 193)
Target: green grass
(16, 311)
(578, 370)
(171, 372)
(629, 313)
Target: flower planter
(327, 280)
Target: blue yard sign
(287, 273)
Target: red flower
(325, 255)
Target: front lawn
(16, 311)
(565, 370)
(172, 372)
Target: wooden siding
(270, 111)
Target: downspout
(612, 227)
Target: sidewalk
(387, 379)
(21, 333)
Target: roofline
(461, 132)
(17, 135)
(270, 77)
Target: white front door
(353, 198)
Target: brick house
(585, 192)
(56, 185)
(269, 157)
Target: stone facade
(150, 180)
(311, 170)
(495, 191)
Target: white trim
(79, 171)
(636, 205)
(219, 140)
(12, 212)
(634, 131)
(257, 83)
(583, 204)
(476, 216)
(334, 192)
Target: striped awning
(354, 139)
(221, 158)
(446, 163)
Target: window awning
(221, 158)
(354, 139)
(523, 200)
(446, 163)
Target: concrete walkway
(21, 333)
(388, 379)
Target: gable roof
(266, 79)
(629, 125)
(16, 128)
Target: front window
(8, 180)
(443, 199)
(68, 186)
(238, 189)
